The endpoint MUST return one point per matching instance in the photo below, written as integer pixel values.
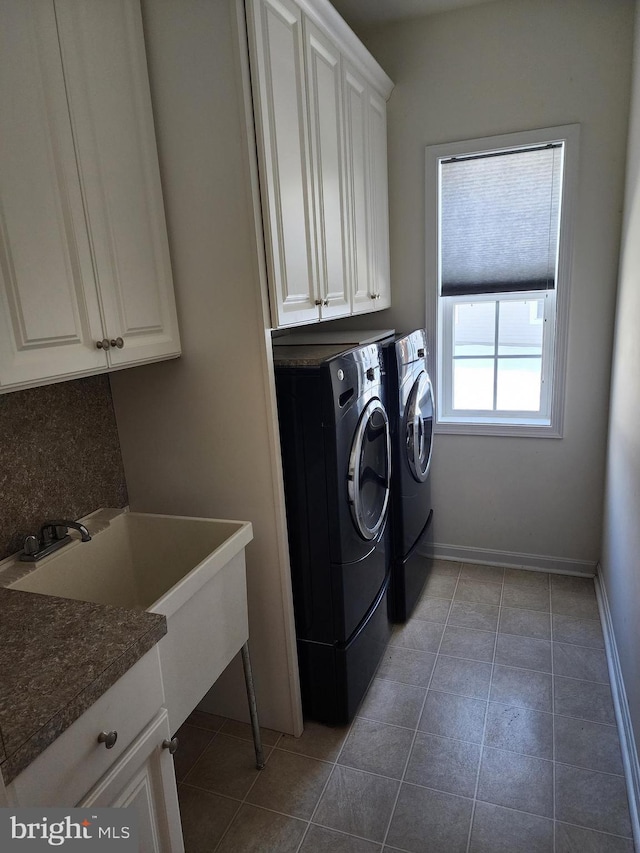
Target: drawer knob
(103, 344)
(117, 342)
(108, 739)
(171, 745)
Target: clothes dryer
(335, 441)
(411, 414)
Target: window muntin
(500, 335)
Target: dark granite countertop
(57, 657)
(306, 355)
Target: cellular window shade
(499, 221)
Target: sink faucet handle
(54, 530)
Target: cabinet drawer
(66, 770)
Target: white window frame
(550, 421)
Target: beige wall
(502, 67)
(197, 433)
(621, 545)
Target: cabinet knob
(325, 302)
(171, 745)
(318, 301)
(108, 739)
(103, 344)
(372, 296)
(117, 342)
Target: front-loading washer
(411, 414)
(336, 455)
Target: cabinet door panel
(379, 207)
(49, 320)
(325, 125)
(356, 133)
(104, 62)
(144, 780)
(277, 73)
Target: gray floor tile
(580, 662)
(445, 568)
(234, 728)
(522, 688)
(204, 720)
(593, 800)
(227, 766)
(516, 781)
(575, 839)
(192, 742)
(394, 703)
(290, 784)
(476, 572)
(581, 632)
(453, 716)
(407, 665)
(526, 596)
(357, 803)
(526, 577)
(205, 817)
(589, 745)
(569, 604)
(484, 617)
(377, 748)
(444, 764)
(419, 635)
(499, 830)
(255, 830)
(478, 592)
(321, 840)
(427, 821)
(525, 623)
(468, 643)
(519, 730)
(439, 586)
(524, 652)
(574, 585)
(583, 699)
(432, 609)
(463, 677)
(316, 741)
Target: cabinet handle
(117, 342)
(108, 739)
(103, 344)
(171, 745)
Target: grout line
(415, 734)
(484, 728)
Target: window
(498, 262)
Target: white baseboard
(510, 559)
(623, 715)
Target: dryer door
(369, 470)
(419, 427)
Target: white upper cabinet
(85, 276)
(319, 108)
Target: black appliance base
(334, 678)
(408, 576)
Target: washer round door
(369, 470)
(419, 427)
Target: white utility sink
(191, 570)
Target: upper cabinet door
(280, 107)
(102, 46)
(379, 201)
(356, 109)
(47, 315)
(327, 157)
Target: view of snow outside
(520, 326)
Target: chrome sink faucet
(53, 535)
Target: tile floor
(489, 728)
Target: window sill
(519, 429)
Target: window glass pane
(473, 383)
(474, 328)
(519, 384)
(520, 327)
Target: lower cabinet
(143, 779)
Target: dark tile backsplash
(59, 456)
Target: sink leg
(253, 708)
